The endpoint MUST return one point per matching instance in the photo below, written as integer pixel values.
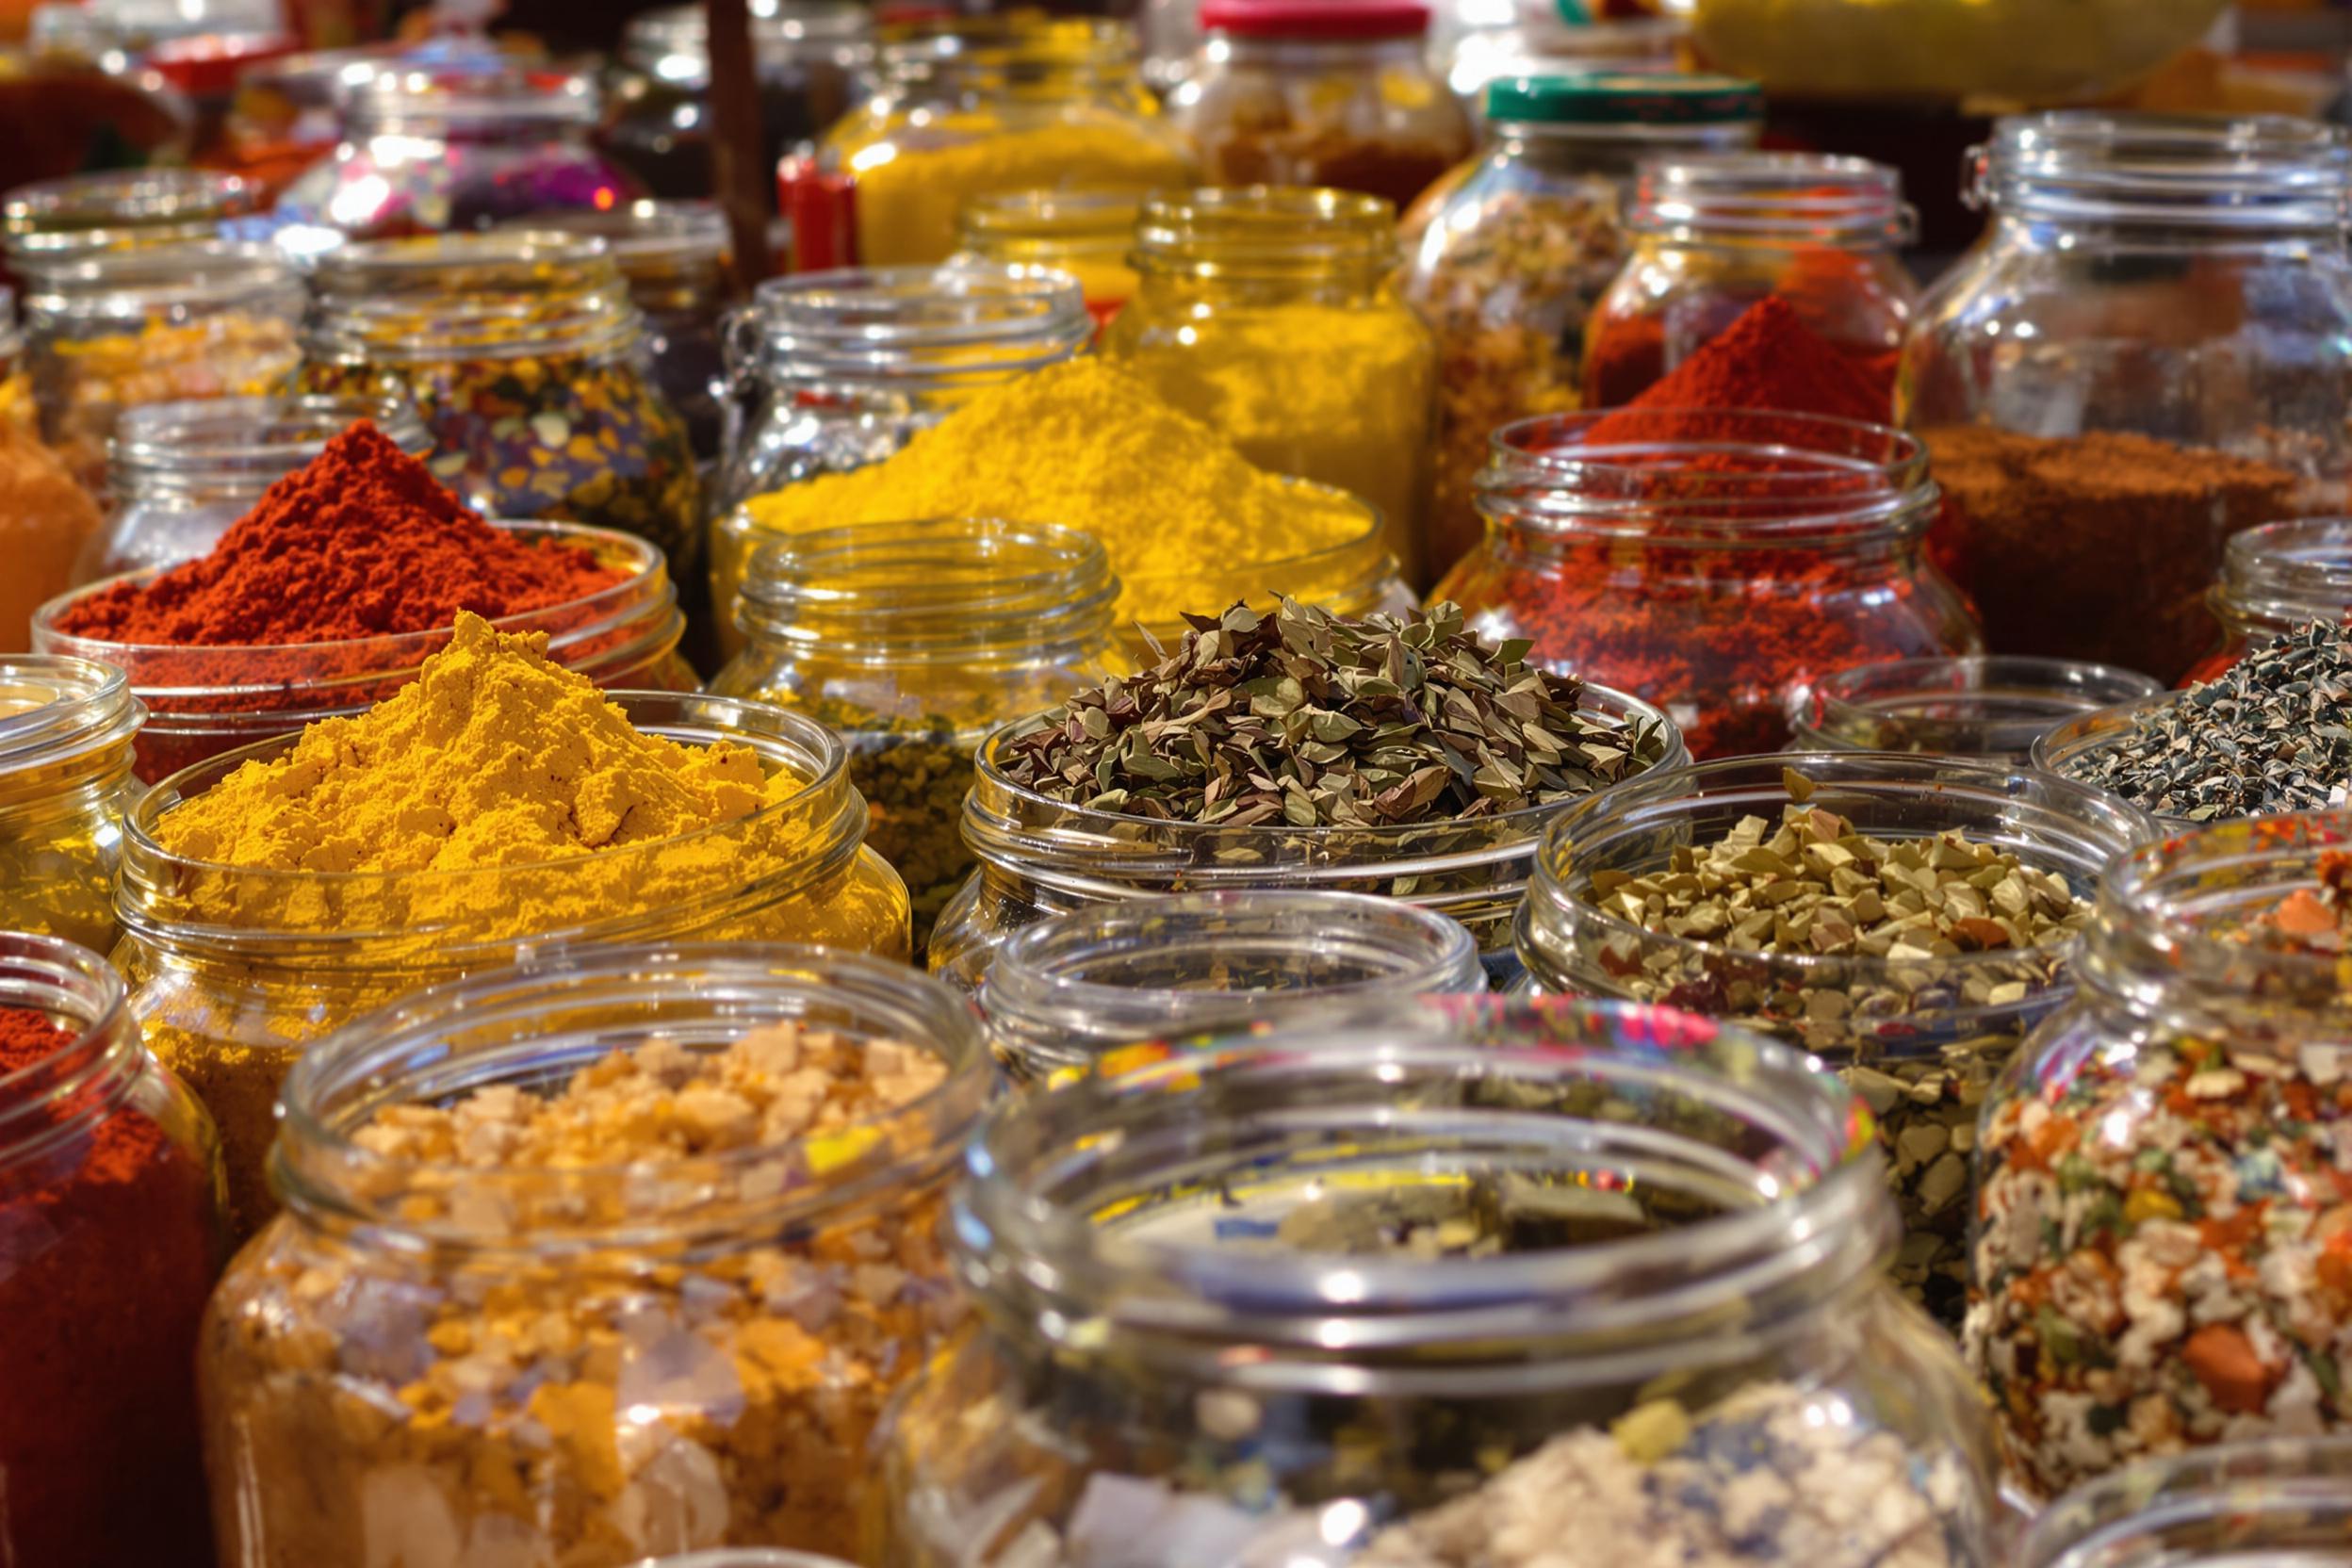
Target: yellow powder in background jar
(44, 517)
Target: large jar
(66, 732)
(1714, 234)
(1518, 249)
(1919, 1038)
(236, 971)
(2148, 351)
(1970, 706)
(2241, 1505)
(1451, 1280)
(1271, 315)
(681, 1349)
(970, 106)
(1301, 92)
(2274, 578)
(2161, 1255)
(1709, 575)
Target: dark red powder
(1768, 359)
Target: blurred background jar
(118, 210)
(1086, 234)
(1972, 705)
(1508, 256)
(1479, 42)
(66, 731)
(1302, 92)
(1271, 315)
(2274, 578)
(2283, 1501)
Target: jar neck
(905, 332)
(2283, 575)
(982, 59)
(2261, 176)
(1279, 241)
(1614, 151)
(66, 725)
(1772, 199)
(54, 1103)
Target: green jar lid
(1624, 97)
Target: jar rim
(2126, 1519)
(646, 233)
(209, 438)
(781, 30)
(1005, 42)
(2243, 172)
(54, 1101)
(82, 706)
(136, 280)
(1955, 704)
(2062, 749)
(1108, 213)
(1262, 230)
(1794, 198)
(494, 94)
(2300, 568)
(117, 199)
(910, 322)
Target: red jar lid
(1335, 19)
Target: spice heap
(1768, 359)
(1625, 357)
(44, 517)
(2273, 734)
(603, 1410)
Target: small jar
(711, 1336)
(2159, 1252)
(181, 473)
(1710, 575)
(2241, 1505)
(913, 642)
(1920, 1040)
(1714, 234)
(526, 361)
(968, 106)
(1516, 250)
(1271, 315)
(109, 1242)
(66, 732)
(1449, 1280)
(119, 209)
(2274, 578)
(1040, 858)
(1303, 93)
(1993, 709)
(1102, 987)
(1085, 234)
(111, 330)
(236, 971)
(436, 149)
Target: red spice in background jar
(1769, 359)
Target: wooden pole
(741, 185)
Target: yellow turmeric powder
(44, 517)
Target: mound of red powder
(1769, 359)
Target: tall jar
(589, 1365)
(968, 106)
(1714, 234)
(120, 208)
(1710, 575)
(1920, 1039)
(2274, 578)
(1515, 251)
(1970, 706)
(913, 642)
(2237, 1505)
(526, 361)
(1085, 234)
(236, 971)
(1600, 1275)
(1271, 315)
(2160, 1250)
(67, 727)
(2146, 353)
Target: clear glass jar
(110, 1243)
(1217, 1321)
(2160, 1254)
(1515, 251)
(1040, 858)
(1993, 709)
(2145, 353)
(1710, 575)
(1714, 234)
(119, 209)
(111, 330)
(711, 1336)
(1271, 315)
(526, 361)
(181, 473)
(815, 58)
(913, 641)
(968, 106)
(1085, 234)
(1111, 986)
(450, 147)
(236, 971)
(1483, 41)
(2281, 1504)
(2274, 578)
(66, 732)
(1297, 93)
(203, 701)
(1920, 1040)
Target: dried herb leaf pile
(1300, 717)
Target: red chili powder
(362, 541)
(1769, 359)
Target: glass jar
(2274, 578)
(2160, 1249)
(203, 701)
(236, 971)
(968, 106)
(1085, 234)
(1921, 1039)
(1104, 987)
(66, 732)
(2242, 1505)
(1993, 709)
(111, 330)
(1714, 234)
(458, 146)
(1598, 1271)
(711, 1335)
(814, 58)
(110, 1243)
(1516, 250)
(1271, 315)
(1040, 858)
(912, 641)
(1483, 42)
(526, 361)
(2146, 353)
(1302, 93)
(1710, 575)
(181, 473)
(119, 209)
